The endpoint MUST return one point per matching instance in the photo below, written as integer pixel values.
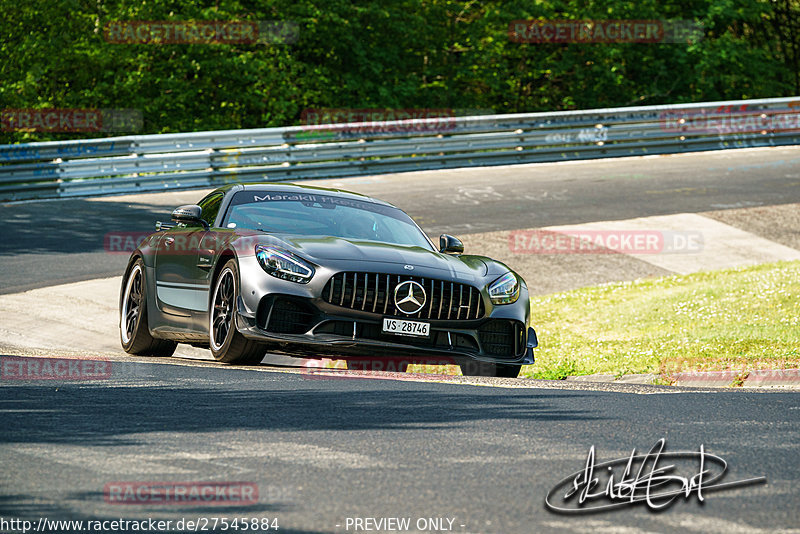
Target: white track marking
(723, 246)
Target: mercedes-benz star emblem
(409, 297)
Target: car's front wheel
(226, 343)
(134, 332)
(500, 370)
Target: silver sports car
(314, 272)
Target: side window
(210, 206)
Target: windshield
(313, 214)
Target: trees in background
(383, 54)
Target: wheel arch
(135, 256)
(225, 256)
(153, 311)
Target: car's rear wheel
(501, 370)
(134, 332)
(226, 343)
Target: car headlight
(504, 290)
(283, 264)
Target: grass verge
(735, 319)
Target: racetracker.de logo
(172, 493)
(70, 120)
(731, 120)
(604, 242)
(188, 242)
(604, 31)
(213, 32)
(376, 120)
(386, 367)
(12, 368)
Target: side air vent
(501, 338)
(284, 315)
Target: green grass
(736, 319)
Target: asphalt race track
(323, 449)
(47, 243)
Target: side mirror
(450, 245)
(189, 214)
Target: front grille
(374, 292)
(283, 315)
(500, 338)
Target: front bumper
(325, 332)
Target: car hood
(322, 249)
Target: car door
(182, 266)
(205, 252)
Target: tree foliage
(383, 54)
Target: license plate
(406, 328)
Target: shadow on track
(95, 415)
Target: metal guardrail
(206, 159)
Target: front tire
(499, 370)
(134, 332)
(226, 343)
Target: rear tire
(226, 343)
(500, 370)
(134, 332)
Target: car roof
(295, 188)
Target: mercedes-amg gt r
(314, 273)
